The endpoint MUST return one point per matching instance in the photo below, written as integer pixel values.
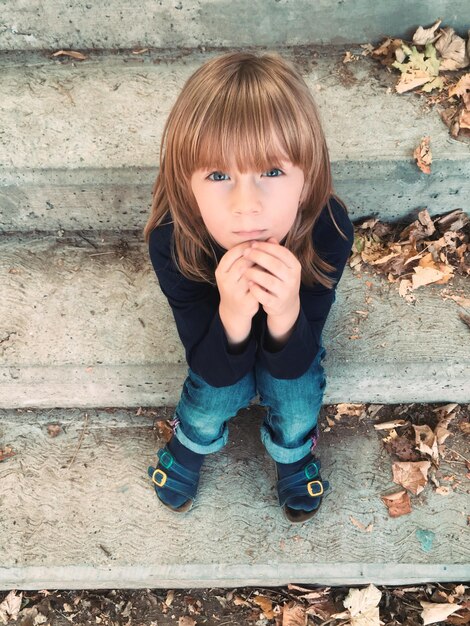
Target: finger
(239, 268)
(276, 250)
(264, 297)
(263, 279)
(231, 256)
(266, 260)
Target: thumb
(272, 240)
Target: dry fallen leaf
(397, 503)
(265, 605)
(402, 448)
(452, 49)
(294, 615)
(165, 430)
(426, 441)
(437, 612)
(389, 425)
(10, 607)
(186, 621)
(239, 601)
(6, 453)
(361, 526)
(423, 155)
(421, 69)
(461, 87)
(362, 605)
(70, 53)
(411, 475)
(350, 409)
(54, 429)
(426, 35)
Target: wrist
(237, 327)
(280, 327)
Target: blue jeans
(289, 429)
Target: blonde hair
(241, 106)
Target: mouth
(250, 234)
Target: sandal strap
(172, 475)
(305, 482)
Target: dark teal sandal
(169, 474)
(306, 482)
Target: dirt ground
(281, 606)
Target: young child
(248, 242)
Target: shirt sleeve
(195, 307)
(296, 356)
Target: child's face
(239, 207)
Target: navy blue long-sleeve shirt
(195, 307)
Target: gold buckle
(309, 488)
(163, 479)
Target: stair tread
(109, 112)
(80, 511)
(86, 313)
(80, 142)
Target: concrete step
(80, 140)
(192, 23)
(79, 511)
(83, 323)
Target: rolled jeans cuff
(281, 454)
(215, 446)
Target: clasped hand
(260, 273)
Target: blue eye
(274, 173)
(216, 176)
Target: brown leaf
(461, 88)
(6, 453)
(441, 434)
(397, 503)
(266, 606)
(464, 119)
(426, 35)
(165, 430)
(186, 621)
(350, 409)
(464, 426)
(324, 609)
(452, 49)
(403, 448)
(436, 612)
(426, 441)
(70, 53)
(411, 475)
(388, 50)
(294, 615)
(361, 526)
(389, 425)
(423, 155)
(54, 429)
(428, 275)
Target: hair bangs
(244, 127)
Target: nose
(246, 198)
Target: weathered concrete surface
(191, 23)
(78, 511)
(83, 323)
(80, 141)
